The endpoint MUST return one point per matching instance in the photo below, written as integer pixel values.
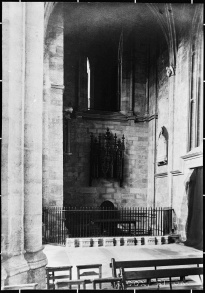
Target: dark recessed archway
(107, 205)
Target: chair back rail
(91, 266)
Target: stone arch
(165, 19)
(48, 9)
(53, 105)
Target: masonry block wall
(158, 117)
(76, 166)
(149, 93)
(183, 124)
(169, 97)
(162, 92)
(180, 132)
(159, 103)
(140, 78)
(134, 76)
(53, 110)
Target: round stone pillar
(34, 47)
(14, 265)
(46, 104)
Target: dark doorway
(107, 205)
(194, 225)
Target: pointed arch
(167, 25)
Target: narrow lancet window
(88, 75)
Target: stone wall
(161, 181)
(134, 77)
(76, 166)
(152, 128)
(140, 77)
(170, 99)
(147, 92)
(53, 110)
(133, 99)
(32, 136)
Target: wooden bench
(55, 273)
(157, 269)
(31, 286)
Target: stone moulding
(195, 154)
(102, 115)
(58, 86)
(176, 173)
(190, 160)
(15, 265)
(161, 175)
(36, 259)
(113, 116)
(145, 118)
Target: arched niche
(162, 147)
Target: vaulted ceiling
(98, 22)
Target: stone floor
(58, 255)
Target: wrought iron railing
(59, 223)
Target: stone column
(171, 138)
(46, 105)
(34, 35)
(14, 266)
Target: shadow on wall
(194, 224)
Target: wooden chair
(55, 273)
(31, 286)
(115, 282)
(69, 284)
(86, 270)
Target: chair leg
(182, 279)
(170, 281)
(100, 276)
